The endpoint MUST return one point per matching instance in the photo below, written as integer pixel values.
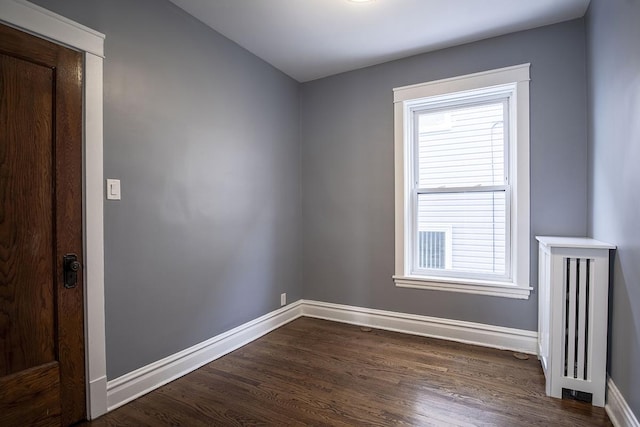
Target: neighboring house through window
(434, 248)
(462, 183)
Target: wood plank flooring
(315, 372)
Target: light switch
(113, 189)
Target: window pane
(462, 146)
(478, 230)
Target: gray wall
(204, 137)
(347, 176)
(613, 33)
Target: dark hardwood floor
(315, 372)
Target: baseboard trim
(617, 408)
(130, 386)
(453, 330)
(97, 398)
(148, 378)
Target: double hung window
(462, 184)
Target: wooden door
(42, 370)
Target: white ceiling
(309, 39)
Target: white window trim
(519, 286)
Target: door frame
(36, 20)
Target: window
(462, 184)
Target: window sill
(479, 287)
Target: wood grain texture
(26, 226)
(316, 372)
(41, 213)
(68, 199)
(31, 398)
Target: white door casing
(36, 20)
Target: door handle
(71, 268)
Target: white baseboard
(617, 408)
(148, 378)
(97, 398)
(141, 381)
(453, 330)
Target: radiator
(573, 284)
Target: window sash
(427, 107)
(413, 236)
(453, 102)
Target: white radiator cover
(573, 285)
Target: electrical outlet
(283, 299)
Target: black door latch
(71, 268)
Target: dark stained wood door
(42, 369)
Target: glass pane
(462, 146)
(475, 229)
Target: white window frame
(517, 284)
(498, 94)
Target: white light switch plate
(113, 189)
